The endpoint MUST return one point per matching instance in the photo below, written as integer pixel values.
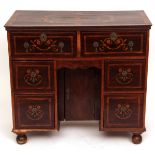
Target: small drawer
(34, 112)
(124, 75)
(43, 44)
(123, 111)
(113, 43)
(33, 76)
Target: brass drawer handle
(130, 44)
(61, 45)
(96, 45)
(26, 46)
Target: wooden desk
(78, 66)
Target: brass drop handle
(96, 45)
(26, 46)
(130, 44)
(61, 46)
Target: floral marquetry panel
(113, 43)
(123, 111)
(33, 76)
(124, 75)
(32, 44)
(34, 111)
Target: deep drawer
(124, 75)
(113, 43)
(123, 111)
(34, 112)
(35, 76)
(43, 44)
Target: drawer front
(124, 75)
(33, 77)
(113, 43)
(34, 112)
(43, 44)
(123, 111)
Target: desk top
(77, 18)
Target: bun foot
(136, 138)
(21, 139)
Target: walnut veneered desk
(83, 65)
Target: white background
(75, 138)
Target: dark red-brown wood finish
(78, 65)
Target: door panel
(82, 94)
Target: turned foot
(21, 139)
(136, 138)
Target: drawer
(124, 75)
(123, 111)
(43, 44)
(33, 76)
(113, 43)
(34, 112)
